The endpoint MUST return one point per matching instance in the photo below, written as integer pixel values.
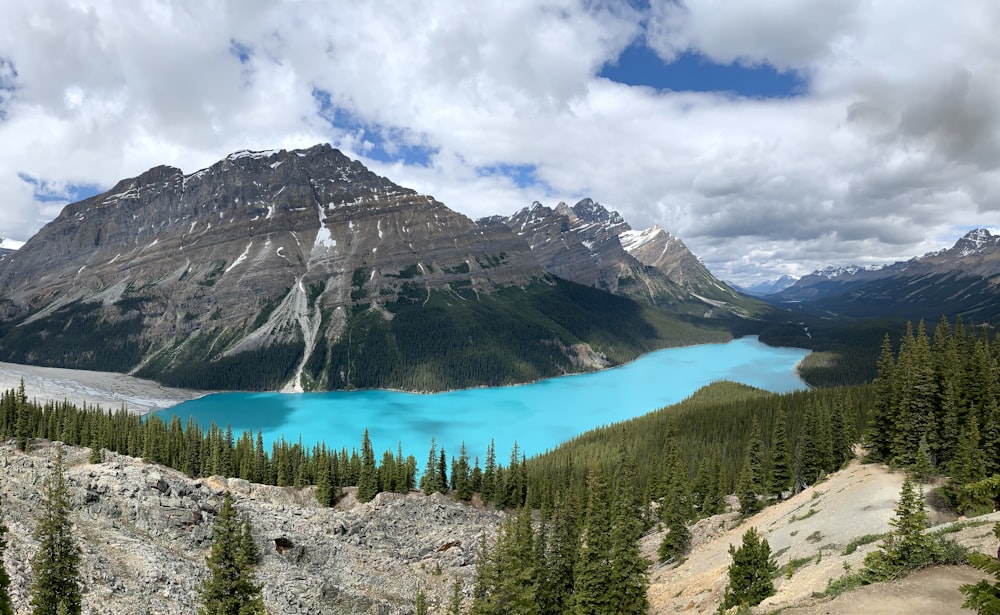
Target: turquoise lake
(539, 416)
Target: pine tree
(907, 546)
(881, 426)
(982, 596)
(230, 588)
(968, 466)
(6, 607)
(592, 576)
(56, 565)
(455, 600)
(368, 479)
(628, 567)
(489, 474)
(751, 573)
(460, 475)
(420, 604)
(428, 480)
(780, 476)
(748, 487)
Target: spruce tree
(628, 567)
(420, 604)
(592, 576)
(229, 588)
(428, 479)
(780, 475)
(55, 568)
(455, 600)
(983, 596)
(881, 425)
(6, 607)
(751, 573)
(489, 474)
(460, 476)
(368, 478)
(907, 546)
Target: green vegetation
(983, 596)
(936, 408)
(907, 547)
(78, 335)
(443, 339)
(751, 573)
(56, 589)
(6, 607)
(196, 363)
(229, 588)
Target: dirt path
(812, 531)
(932, 591)
(108, 389)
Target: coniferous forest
(579, 510)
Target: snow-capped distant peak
(974, 242)
(836, 272)
(10, 244)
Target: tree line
(936, 408)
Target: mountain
(304, 269)
(8, 247)
(769, 287)
(959, 281)
(595, 247)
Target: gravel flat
(107, 389)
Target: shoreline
(109, 390)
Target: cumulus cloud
(891, 150)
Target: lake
(539, 416)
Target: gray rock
(144, 550)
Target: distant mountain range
(963, 280)
(9, 246)
(305, 270)
(768, 287)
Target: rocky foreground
(145, 532)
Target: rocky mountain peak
(975, 242)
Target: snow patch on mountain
(10, 244)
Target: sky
(774, 137)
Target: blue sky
(692, 72)
(773, 139)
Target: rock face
(962, 280)
(260, 250)
(145, 532)
(590, 245)
(284, 270)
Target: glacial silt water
(539, 416)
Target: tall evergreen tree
(489, 474)
(56, 588)
(460, 475)
(368, 478)
(429, 477)
(229, 588)
(593, 575)
(780, 475)
(6, 607)
(881, 426)
(628, 567)
(751, 572)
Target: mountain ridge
(963, 280)
(303, 269)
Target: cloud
(890, 150)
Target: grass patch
(809, 513)
(860, 541)
(815, 537)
